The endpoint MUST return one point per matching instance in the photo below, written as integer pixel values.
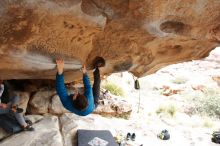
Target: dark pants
(96, 86)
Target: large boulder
(138, 36)
(24, 98)
(113, 106)
(46, 133)
(70, 123)
(56, 107)
(40, 102)
(46, 101)
(3, 134)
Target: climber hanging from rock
(80, 104)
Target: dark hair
(80, 102)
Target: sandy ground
(185, 130)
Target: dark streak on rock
(73, 38)
(123, 66)
(81, 32)
(177, 48)
(87, 42)
(68, 25)
(175, 27)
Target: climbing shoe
(28, 128)
(29, 122)
(128, 136)
(133, 136)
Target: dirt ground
(169, 86)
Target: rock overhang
(135, 36)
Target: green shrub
(208, 104)
(168, 109)
(113, 88)
(128, 82)
(161, 109)
(208, 123)
(179, 80)
(172, 110)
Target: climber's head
(80, 102)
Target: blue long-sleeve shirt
(67, 100)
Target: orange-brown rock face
(139, 36)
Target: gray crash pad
(88, 138)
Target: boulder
(46, 101)
(114, 107)
(46, 133)
(136, 36)
(70, 123)
(217, 80)
(40, 102)
(33, 118)
(3, 134)
(24, 98)
(56, 106)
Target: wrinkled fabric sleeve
(87, 85)
(61, 89)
